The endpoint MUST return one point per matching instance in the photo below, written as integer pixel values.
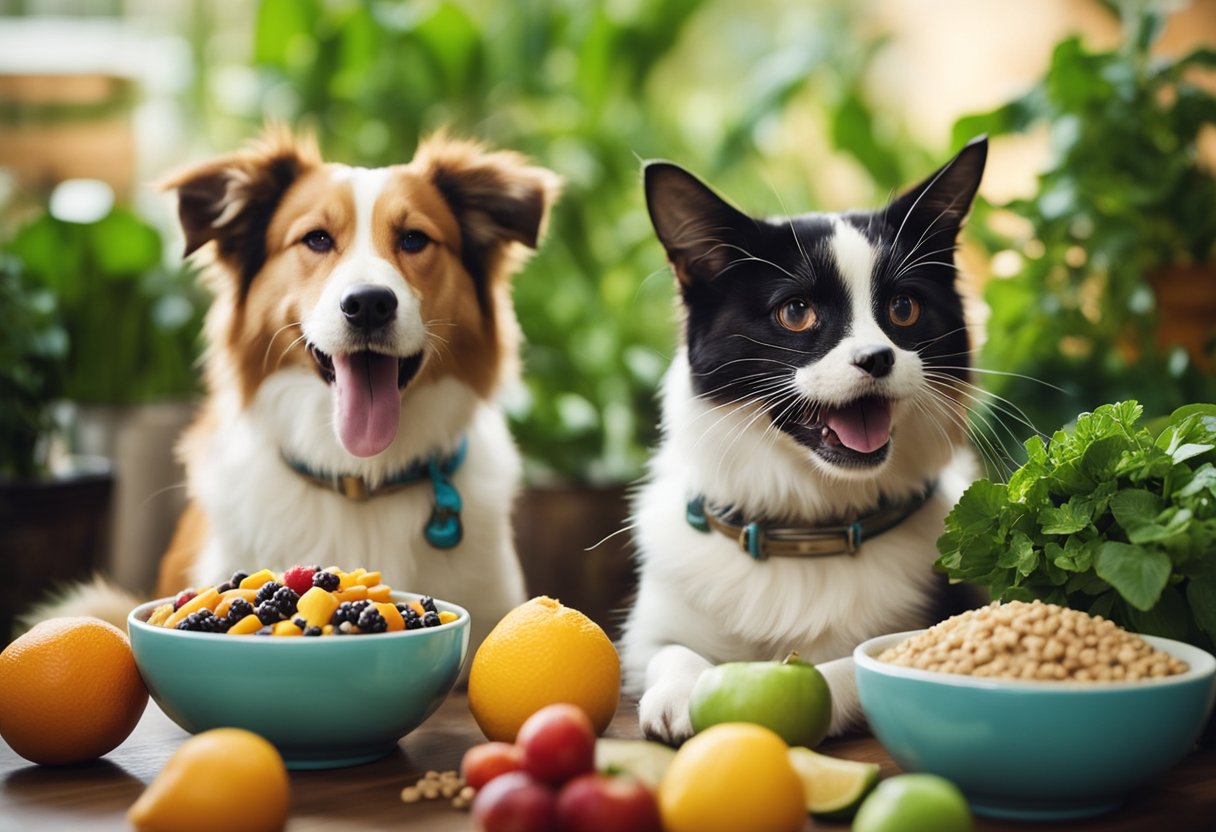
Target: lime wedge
(643, 759)
(834, 787)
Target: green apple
(914, 803)
(790, 697)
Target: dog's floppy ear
(940, 203)
(697, 227)
(497, 198)
(230, 200)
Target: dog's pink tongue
(863, 425)
(369, 404)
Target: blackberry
(224, 587)
(300, 622)
(413, 621)
(312, 631)
(428, 604)
(371, 621)
(347, 611)
(266, 592)
(328, 581)
(431, 619)
(238, 609)
(204, 621)
(237, 577)
(286, 598)
(268, 612)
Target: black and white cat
(813, 436)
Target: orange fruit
(539, 654)
(225, 778)
(69, 691)
(731, 776)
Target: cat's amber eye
(796, 315)
(903, 310)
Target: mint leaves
(1112, 518)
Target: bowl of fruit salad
(333, 667)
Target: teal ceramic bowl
(1036, 750)
(324, 702)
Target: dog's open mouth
(856, 434)
(368, 388)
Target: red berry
(299, 578)
(183, 597)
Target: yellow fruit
(538, 654)
(380, 592)
(248, 625)
(69, 691)
(226, 778)
(732, 776)
(317, 606)
(392, 616)
(258, 578)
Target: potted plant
(128, 375)
(52, 525)
(1115, 289)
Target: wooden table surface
(96, 796)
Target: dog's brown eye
(319, 241)
(903, 310)
(796, 315)
(412, 241)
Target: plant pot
(149, 492)
(1186, 311)
(568, 545)
(51, 532)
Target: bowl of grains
(1035, 711)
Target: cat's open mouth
(856, 434)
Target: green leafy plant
(589, 90)
(1112, 518)
(33, 347)
(1122, 200)
(132, 324)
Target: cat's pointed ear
(700, 231)
(941, 202)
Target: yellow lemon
(732, 776)
(539, 654)
(226, 778)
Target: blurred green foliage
(590, 90)
(33, 347)
(132, 323)
(1121, 198)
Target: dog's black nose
(368, 307)
(874, 360)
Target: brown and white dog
(360, 330)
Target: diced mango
(380, 592)
(446, 617)
(248, 625)
(286, 628)
(418, 608)
(226, 599)
(349, 579)
(369, 579)
(258, 578)
(317, 606)
(392, 615)
(208, 598)
(160, 615)
(358, 592)
(327, 630)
